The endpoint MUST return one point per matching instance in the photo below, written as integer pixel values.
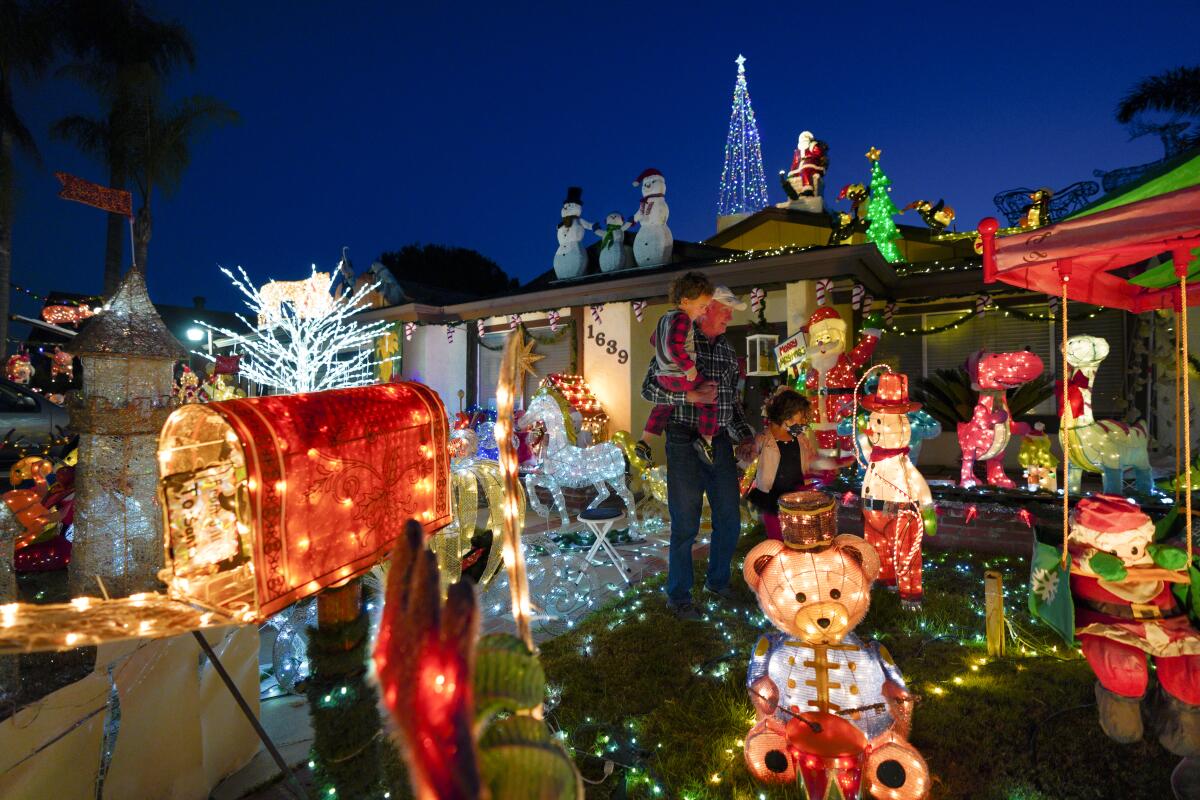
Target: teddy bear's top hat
(808, 519)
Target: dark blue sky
(378, 124)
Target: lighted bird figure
(937, 216)
(845, 226)
(857, 194)
(564, 464)
(1037, 213)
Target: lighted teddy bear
(813, 676)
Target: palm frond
(1029, 396)
(1175, 91)
(90, 135)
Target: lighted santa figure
(897, 506)
(1126, 615)
(832, 375)
(809, 163)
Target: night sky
(374, 125)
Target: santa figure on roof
(832, 375)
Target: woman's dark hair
(783, 404)
(690, 285)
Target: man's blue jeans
(688, 480)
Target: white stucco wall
(609, 379)
(440, 365)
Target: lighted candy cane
(860, 457)
(513, 321)
(856, 296)
(552, 315)
(824, 290)
(479, 326)
(889, 311)
(866, 304)
(596, 312)
(639, 308)
(981, 304)
(757, 296)
(514, 554)
(409, 327)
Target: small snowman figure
(570, 260)
(614, 253)
(653, 242)
(897, 506)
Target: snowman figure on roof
(570, 260)
(614, 252)
(653, 243)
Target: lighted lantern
(267, 500)
(760, 355)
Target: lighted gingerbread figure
(832, 375)
(897, 506)
(829, 707)
(1126, 616)
(986, 436)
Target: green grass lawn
(661, 706)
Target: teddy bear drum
(813, 675)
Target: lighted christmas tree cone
(830, 709)
(897, 506)
(267, 500)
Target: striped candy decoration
(1053, 304)
(449, 334)
(513, 321)
(856, 296)
(981, 304)
(867, 301)
(889, 311)
(479, 326)
(596, 312)
(552, 315)
(824, 290)
(757, 296)
(639, 309)
(409, 327)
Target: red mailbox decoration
(267, 500)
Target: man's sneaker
(725, 593)
(684, 611)
(705, 449)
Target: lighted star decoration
(874, 153)
(741, 62)
(526, 358)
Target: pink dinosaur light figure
(986, 436)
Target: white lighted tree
(306, 339)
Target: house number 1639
(609, 345)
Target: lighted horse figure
(1104, 446)
(564, 464)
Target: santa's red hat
(1108, 513)
(822, 314)
(646, 173)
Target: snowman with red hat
(832, 375)
(897, 506)
(653, 242)
(1127, 616)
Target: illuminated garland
(554, 338)
(1025, 315)
(87, 301)
(935, 329)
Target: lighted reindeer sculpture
(563, 464)
(1104, 446)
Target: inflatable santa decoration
(832, 375)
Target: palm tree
(25, 52)
(120, 49)
(160, 150)
(1175, 92)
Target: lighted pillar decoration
(128, 373)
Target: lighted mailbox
(269, 499)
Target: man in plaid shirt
(689, 478)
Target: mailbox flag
(117, 201)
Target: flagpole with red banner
(115, 201)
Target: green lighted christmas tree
(880, 208)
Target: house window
(921, 356)
(557, 356)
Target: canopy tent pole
(1183, 256)
(1064, 272)
(1180, 374)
